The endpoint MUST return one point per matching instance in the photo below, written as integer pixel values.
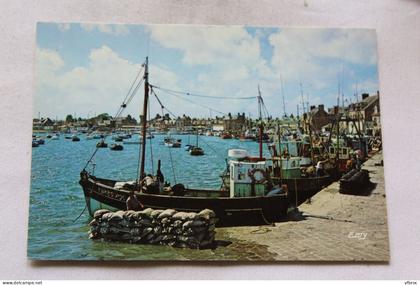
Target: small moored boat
(102, 144)
(116, 146)
(197, 151)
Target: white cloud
(207, 44)
(320, 59)
(48, 62)
(229, 60)
(116, 30)
(219, 61)
(101, 85)
(318, 55)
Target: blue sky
(87, 69)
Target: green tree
(69, 118)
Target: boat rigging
(248, 200)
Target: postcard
(220, 143)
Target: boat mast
(261, 123)
(144, 116)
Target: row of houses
(230, 123)
(363, 116)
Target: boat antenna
(144, 117)
(282, 94)
(301, 97)
(260, 116)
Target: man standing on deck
(320, 167)
(133, 203)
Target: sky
(87, 69)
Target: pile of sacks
(165, 227)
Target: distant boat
(226, 136)
(40, 141)
(116, 146)
(197, 151)
(55, 137)
(49, 136)
(172, 142)
(101, 144)
(75, 138)
(176, 144)
(247, 137)
(121, 137)
(34, 143)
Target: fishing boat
(35, 143)
(294, 161)
(75, 138)
(248, 200)
(55, 137)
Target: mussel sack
(164, 227)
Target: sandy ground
(332, 226)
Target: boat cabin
(242, 176)
(246, 174)
(343, 152)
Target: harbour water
(56, 198)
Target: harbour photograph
(206, 143)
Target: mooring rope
(80, 214)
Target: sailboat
(196, 150)
(248, 200)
